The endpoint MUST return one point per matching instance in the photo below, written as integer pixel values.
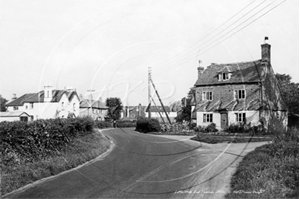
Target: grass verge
(81, 150)
(214, 139)
(270, 171)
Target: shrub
(146, 125)
(206, 129)
(103, 124)
(124, 124)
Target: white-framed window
(239, 94)
(224, 76)
(74, 107)
(240, 117)
(62, 106)
(31, 105)
(207, 117)
(16, 108)
(208, 95)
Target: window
(207, 96)
(207, 117)
(16, 108)
(224, 76)
(74, 107)
(47, 94)
(62, 106)
(239, 94)
(31, 105)
(26, 107)
(240, 117)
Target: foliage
(245, 128)
(177, 129)
(206, 129)
(103, 124)
(115, 107)
(124, 124)
(41, 138)
(272, 168)
(289, 92)
(2, 104)
(79, 151)
(185, 114)
(146, 125)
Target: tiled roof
(12, 114)
(92, 103)
(241, 72)
(153, 109)
(234, 105)
(39, 97)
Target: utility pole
(149, 92)
(90, 103)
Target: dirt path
(213, 180)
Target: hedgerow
(146, 125)
(28, 142)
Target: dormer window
(224, 76)
(207, 96)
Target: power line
(208, 47)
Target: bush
(103, 124)
(146, 125)
(124, 124)
(27, 142)
(206, 129)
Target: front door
(224, 120)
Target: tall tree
(289, 92)
(2, 104)
(185, 113)
(115, 107)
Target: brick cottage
(244, 92)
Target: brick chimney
(200, 69)
(266, 51)
(14, 97)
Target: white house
(48, 103)
(14, 116)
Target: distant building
(14, 116)
(245, 92)
(93, 108)
(133, 112)
(48, 103)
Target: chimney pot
(266, 51)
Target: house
(14, 116)
(244, 92)
(133, 112)
(48, 103)
(93, 108)
(158, 113)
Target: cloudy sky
(108, 45)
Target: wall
(225, 93)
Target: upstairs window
(240, 117)
(224, 76)
(239, 94)
(74, 107)
(16, 108)
(207, 117)
(31, 105)
(62, 106)
(207, 96)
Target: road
(147, 166)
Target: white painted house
(48, 103)
(14, 116)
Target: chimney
(266, 51)
(200, 69)
(48, 93)
(14, 97)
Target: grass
(214, 139)
(81, 150)
(270, 171)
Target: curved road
(147, 166)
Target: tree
(185, 113)
(115, 107)
(2, 104)
(289, 92)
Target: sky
(105, 47)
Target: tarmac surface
(147, 166)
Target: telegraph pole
(90, 103)
(149, 92)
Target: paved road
(147, 166)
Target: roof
(240, 73)
(39, 97)
(92, 103)
(153, 109)
(13, 114)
